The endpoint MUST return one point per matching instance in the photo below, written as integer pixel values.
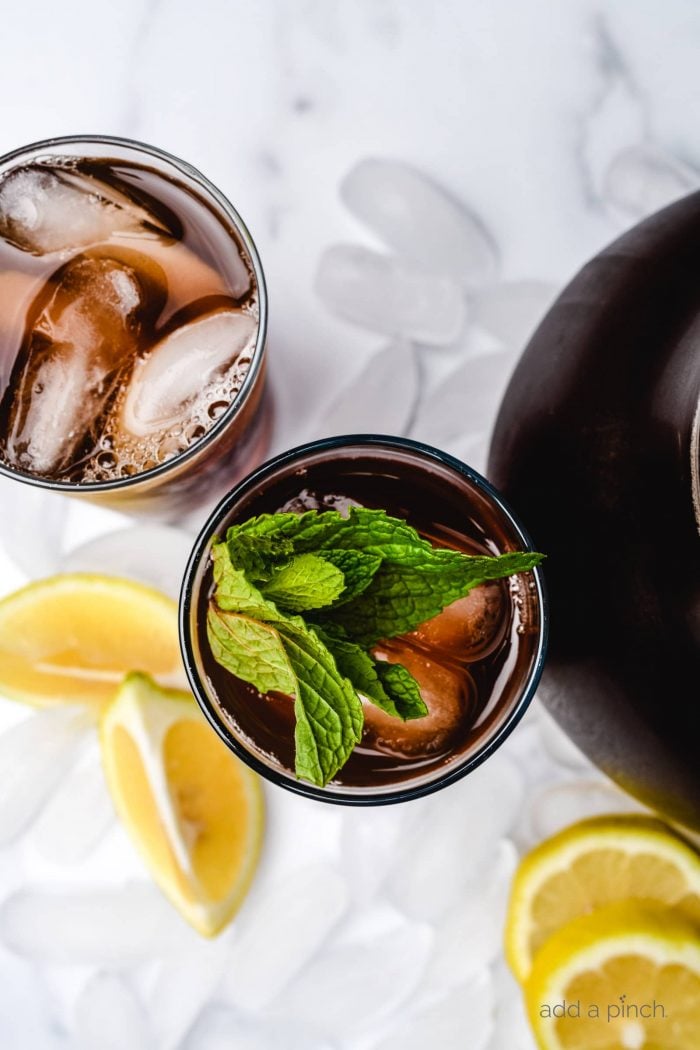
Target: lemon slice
(72, 638)
(624, 978)
(194, 811)
(590, 865)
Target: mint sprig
(301, 599)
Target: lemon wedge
(72, 638)
(624, 978)
(591, 865)
(193, 810)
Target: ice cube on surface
(641, 179)
(369, 841)
(511, 310)
(349, 987)
(34, 755)
(50, 209)
(152, 554)
(511, 1027)
(381, 400)
(558, 805)
(185, 983)
(451, 836)
(113, 927)
(279, 930)
(26, 1021)
(181, 369)
(469, 936)
(420, 220)
(78, 815)
(109, 1016)
(221, 1029)
(33, 534)
(82, 338)
(462, 1020)
(466, 402)
(384, 294)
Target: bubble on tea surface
(378, 974)
(384, 294)
(116, 927)
(469, 628)
(420, 220)
(35, 755)
(449, 695)
(109, 1016)
(80, 341)
(462, 1019)
(279, 931)
(47, 209)
(152, 554)
(641, 179)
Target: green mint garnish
(251, 650)
(307, 581)
(301, 599)
(389, 686)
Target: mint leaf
(328, 710)
(251, 650)
(402, 689)
(259, 557)
(308, 581)
(356, 664)
(404, 594)
(365, 577)
(373, 531)
(281, 654)
(358, 568)
(234, 591)
(390, 686)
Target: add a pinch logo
(623, 1009)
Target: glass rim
(286, 780)
(242, 395)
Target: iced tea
(131, 326)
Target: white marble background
(557, 124)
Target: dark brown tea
(129, 317)
(471, 662)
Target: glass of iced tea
(132, 328)
(472, 666)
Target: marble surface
(557, 125)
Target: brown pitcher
(596, 448)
